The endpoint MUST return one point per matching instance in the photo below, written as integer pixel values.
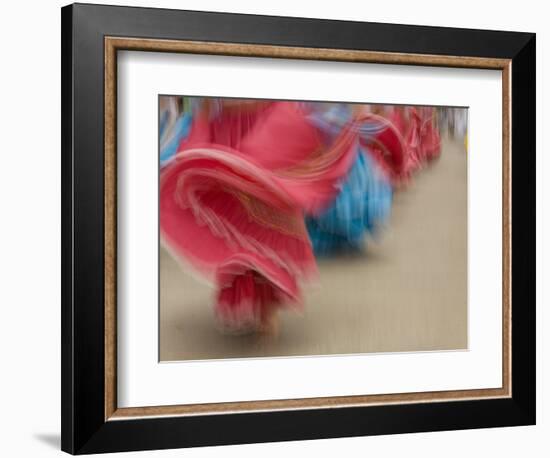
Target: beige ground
(406, 292)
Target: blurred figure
(453, 121)
(232, 203)
(174, 125)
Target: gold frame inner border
(114, 44)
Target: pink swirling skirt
(233, 199)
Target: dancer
(233, 199)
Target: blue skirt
(181, 130)
(363, 203)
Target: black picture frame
(84, 427)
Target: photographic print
(299, 228)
